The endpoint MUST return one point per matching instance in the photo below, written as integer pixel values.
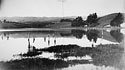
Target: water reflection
(117, 35)
(31, 50)
(58, 55)
(92, 35)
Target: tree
(92, 18)
(78, 22)
(117, 20)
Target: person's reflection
(8, 37)
(30, 47)
(32, 51)
(55, 41)
(33, 39)
(49, 42)
(44, 39)
(48, 39)
(2, 37)
(5, 36)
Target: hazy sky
(53, 8)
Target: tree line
(92, 21)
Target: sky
(53, 8)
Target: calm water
(62, 49)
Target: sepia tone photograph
(62, 34)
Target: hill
(31, 22)
(106, 20)
(33, 19)
(54, 22)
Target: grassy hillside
(60, 25)
(12, 25)
(33, 22)
(106, 20)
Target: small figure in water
(33, 39)
(2, 37)
(8, 36)
(30, 47)
(48, 39)
(92, 45)
(48, 42)
(55, 41)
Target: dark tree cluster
(92, 19)
(78, 22)
(117, 20)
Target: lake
(62, 49)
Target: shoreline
(64, 28)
